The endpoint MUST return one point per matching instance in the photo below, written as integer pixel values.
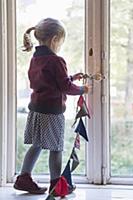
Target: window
(121, 93)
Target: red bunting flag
(80, 101)
(61, 188)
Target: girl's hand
(87, 88)
(77, 76)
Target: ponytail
(44, 31)
(28, 45)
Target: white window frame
(7, 90)
(110, 179)
(93, 66)
(3, 92)
(12, 96)
(105, 90)
(105, 67)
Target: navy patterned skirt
(45, 130)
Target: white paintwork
(3, 91)
(11, 85)
(7, 90)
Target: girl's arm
(64, 81)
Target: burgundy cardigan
(50, 82)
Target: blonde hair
(43, 32)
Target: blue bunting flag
(81, 129)
(67, 173)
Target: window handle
(96, 77)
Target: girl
(50, 84)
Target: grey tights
(55, 161)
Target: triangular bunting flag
(80, 101)
(86, 108)
(50, 197)
(83, 111)
(77, 142)
(75, 161)
(81, 129)
(67, 173)
(61, 188)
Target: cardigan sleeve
(64, 81)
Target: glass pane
(71, 12)
(121, 84)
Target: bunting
(61, 188)
(77, 142)
(81, 129)
(80, 101)
(66, 178)
(67, 173)
(84, 110)
(75, 160)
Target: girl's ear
(54, 39)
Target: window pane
(121, 84)
(71, 12)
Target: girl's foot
(25, 182)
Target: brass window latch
(97, 76)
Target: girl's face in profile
(60, 43)
(56, 44)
